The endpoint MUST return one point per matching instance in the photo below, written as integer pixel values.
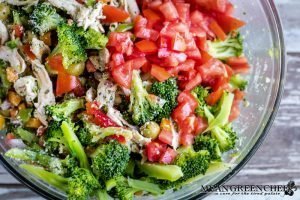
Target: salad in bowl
(116, 99)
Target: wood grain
(278, 159)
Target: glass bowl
(265, 49)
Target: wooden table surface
(278, 159)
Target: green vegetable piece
(160, 171)
(12, 44)
(206, 142)
(124, 27)
(26, 135)
(238, 82)
(231, 47)
(4, 11)
(145, 186)
(25, 114)
(92, 39)
(74, 144)
(200, 93)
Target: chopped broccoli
(167, 90)
(231, 47)
(70, 46)
(90, 134)
(44, 18)
(144, 107)
(192, 163)
(224, 109)
(238, 82)
(54, 139)
(160, 171)
(79, 186)
(13, 43)
(206, 142)
(53, 164)
(25, 135)
(110, 160)
(19, 17)
(200, 93)
(62, 111)
(4, 83)
(225, 136)
(92, 39)
(74, 144)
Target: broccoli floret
(192, 163)
(225, 136)
(124, 188)
(76, 149)
(224, 109)
(238, 82)
(44, 18)
(92, 39)
(206, 142)
(4, 83)
(63, 111)
(200, 93)
(79, 186)
(52, 164)
(162, 172)
(54, 139)
(13, 43)
(167, 90)
(144, 107)
(70, 46)
(231, 47)
(90, 134)
(110, 160)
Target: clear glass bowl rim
(240, 165)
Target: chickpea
(150, 130)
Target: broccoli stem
(163, 172)
(48, 177)
(74, 144)
(145, 186)
(102, 195)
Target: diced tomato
(200, 125)
(194, 54)
(193, 82)
(146, 46)
(168, 157)
(97, 116)
(229, 23)
(178, 43)
(166, 124)
(182, 111)
(79, 91)
(239, 95)
(205, 57)
(229, 70)
(160, 73)
(18, 30)
(166, 137)
(183, 10)
(120, 138)
(114, 14)
(118, 58)
(239, 64)
(139, 23)
(214, 97)
(121, 42)
(187, 97)
(215, 5)
(169, 11)
(187, 139)
(90, 67)
(154, 151)
(187, 126)
(65, 83)
(152, 17)
(216, 29)
(212, 68)
(137, 63)
(155, 4)
(197, 18)
(55, 62)
(148, 34)
(201, 42)
(229, 9)
(122, 74)
(28, 52)
(220, 82)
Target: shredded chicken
(27, 86)
(117, 117)
(139, 139)
(133, 8)
(89, 17)
(45, 94)
(39, 48)
(106, 93)
(3, 33)
(13, 57)
(72, 7)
